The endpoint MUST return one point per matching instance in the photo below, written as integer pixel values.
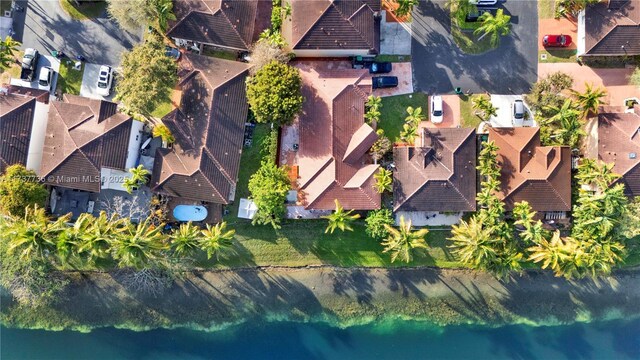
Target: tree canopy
(269, 187)
(275, 94)
(19, 189)
(133, 15)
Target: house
(223, 24)
(19, 143)
(333, 28)
(89, 145)
(618, 139)
(540, 175)
(334, 140)
(609, 28)
(208, 127)
(438, 174)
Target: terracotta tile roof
(335, 24)
(84, 135)
(538, 174)
(618, 141)
(16, 122)
(609, 27)
(231, 24)
(40, 95)
(438, 174)
(334, 141)
(209, 130)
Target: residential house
(609, 28)
(618, 139)
(223, 24)
(208, 127)
(89, 145)
(438, 173)
(540, 175)
(333, 28)
(334, 140)
(18, 141)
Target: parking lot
(439, 65)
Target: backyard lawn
(69, 80)
(394, 112)
(557, 56)
(85, 11)
(469, 119)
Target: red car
(556, 40)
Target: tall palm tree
(138, 245)
(474, 244)
(33, 235)
(555, 254)
(384, 180)
(185, 239)
(402, 241)
(494, 26)
(98, 234)
(139, 177)
(569, 125)
(590, 100)
(372, 114)
(164, 12)
(8, 48)
(484, 108)
(215, 239)
(163, 132)
(340, 219)
(415, 116)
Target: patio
(76, 202)
(429, 218)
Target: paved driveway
(45, 26)
(504, 118)
(439, 65)
(44, 60)
(89, 87)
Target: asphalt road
(45, 26)
(440, 66)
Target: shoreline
(212, 300)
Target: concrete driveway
(45, 60)
(440, 66)
(89, 86)
(505, 118)
(45, 26)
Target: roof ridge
(330, 3)
(232, 26)
(222, 169)
(354, 27)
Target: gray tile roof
(16, 121)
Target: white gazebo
(247, 209)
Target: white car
(45, 78)
(437, 113)
(105, 80)
(483, 2)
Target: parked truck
(29, 64)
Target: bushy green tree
(376, 221)
(19, 189)
(275, 94)
(405, 7)
(8, 48)
(133, 15)
(269, 187)
(340, 219)
(146, 78)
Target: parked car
(360, 62)
(380, 82)
(437, 112)
(518, 110)
(474, 15)
(380, 68)
(29, 64)
(172, 52)
(556, 40)
(105, 80)
(46, 76)
(483, 2)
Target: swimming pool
(190, 213)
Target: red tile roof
(334, 141)
(619, 143)
(209, 131)
(530, 172)
(438, 174)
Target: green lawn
(469, 119)
(546, 9)
(69, 80)
(163, 108)
(84, 11)
(557, 56)
(394, 111)
(393, 58)
(227, 55)
(13, 70)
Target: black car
(380, 82)
(473, 16)
(380, 68)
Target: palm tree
(98, 234)
(185, 239)
(372, 114)
(484, 106)
(33, 235)
(409, 133)
(8, 48)
(415, 116)
(384, 180)
(474, 243)
(402, 241)
(340, 219)
(138, 245)
(555, 254)
(163, 132)
(215, 239)
(590, 100)
(569, 125)
(405, 7)
(164, 12)
(495, 26)
(139, 177)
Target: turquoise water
(285, 340)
